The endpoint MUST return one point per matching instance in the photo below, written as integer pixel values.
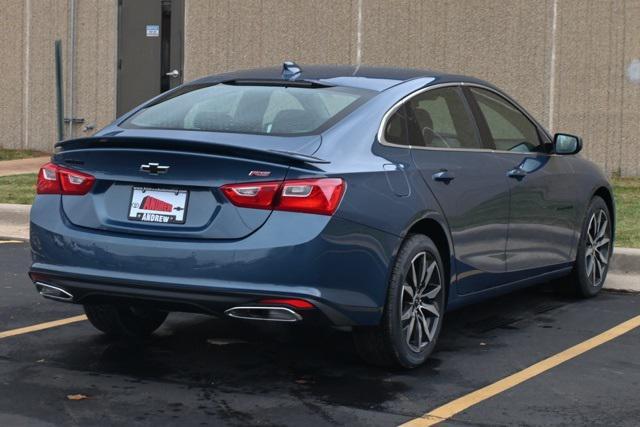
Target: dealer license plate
(164, 206)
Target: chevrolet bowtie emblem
(154, 168)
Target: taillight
(257, 196)
(54, 179)
(48, 181)
(319, 196)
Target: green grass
(19, 189)
(6, 154)
(627, 194)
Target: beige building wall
(629, 133)
(507, 46)
(11, 83)
(43, 22)
(223, 35)
(28, 29)
(564, 60)
(596, 42)
(95, 64)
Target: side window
(396, 130)
(439, 118)
(509, 129)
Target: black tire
(387, 344)
(125, 321)
(586, 279)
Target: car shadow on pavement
(222, 355)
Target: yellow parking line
(41, 326)
(10, 241)
(452, 408)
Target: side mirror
(564, 143)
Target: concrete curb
(624, 273)
(622, 282)
(14, 221)
(626, 260)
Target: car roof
(366, 77)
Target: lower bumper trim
(94, 291)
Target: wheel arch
(437, 231)
(606, 195)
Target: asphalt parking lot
(202, 371)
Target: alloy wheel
(419, 300)
(598, 247)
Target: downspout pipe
(72, 57)
(59, 94)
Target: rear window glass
(257, 109)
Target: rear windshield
(257, 109)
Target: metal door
(542, 211)
(542, 214)
(150, 43)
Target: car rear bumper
(340, 266)
(99, 290)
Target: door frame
(383, 123)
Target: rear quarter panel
(384, 189)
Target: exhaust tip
(53, 292)
(272, 314)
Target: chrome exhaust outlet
(53, 292)
(271, 314)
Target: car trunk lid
(169, 187)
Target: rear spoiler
(121, 142)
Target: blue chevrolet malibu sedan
(375, 199)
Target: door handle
(443, 176)
(174, 74)
(517, 173)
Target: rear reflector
(54, 179)
(292, 302)
(318, 196)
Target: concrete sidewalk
(624, 274)
(17, 167)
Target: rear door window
(440, 118)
